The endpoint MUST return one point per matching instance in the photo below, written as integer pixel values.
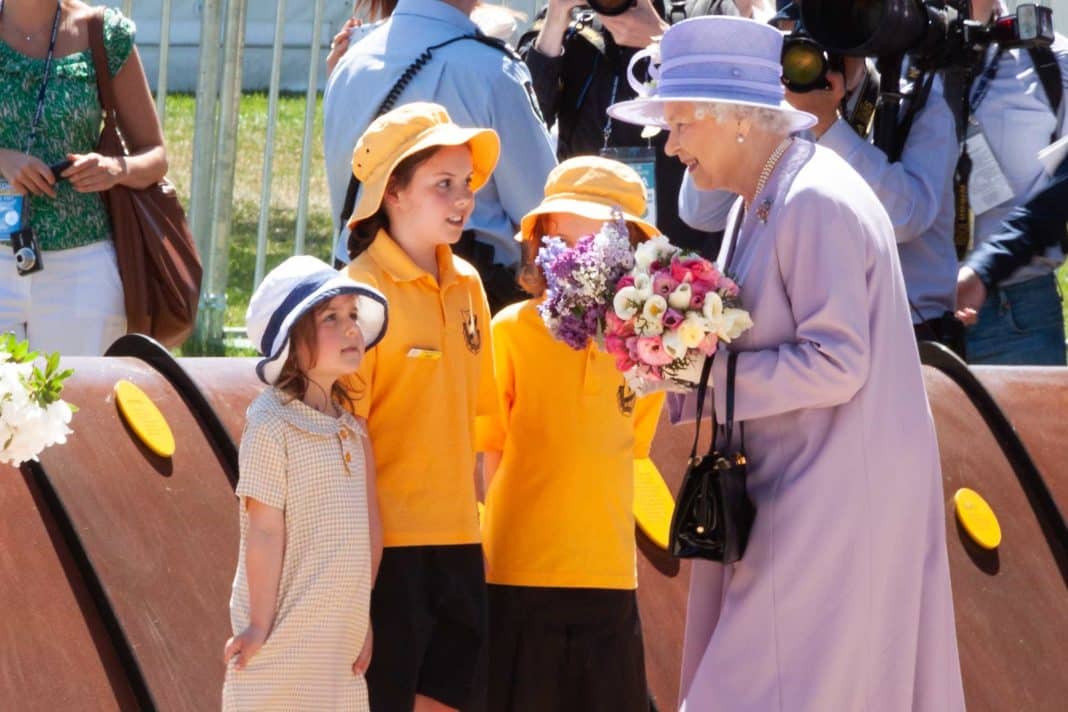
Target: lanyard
(606, 132)
(44, 80)
(984, 81)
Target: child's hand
(245, 645)
(364, 660)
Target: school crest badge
(472, 334)
(626, 398)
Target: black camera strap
(968, 100)
(39, 113)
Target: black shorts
(564, 650)
(428, 612)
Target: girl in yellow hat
(558, 530)
(421, 391)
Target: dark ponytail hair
(363, 234)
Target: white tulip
(680, 297)
(626, 303)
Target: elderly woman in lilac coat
(842, 601)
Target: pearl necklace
(773, 160)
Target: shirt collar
(435, 10)
(385, 251)
(303, 417)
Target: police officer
(480, 84)
(579, 59)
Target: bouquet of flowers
(657, 309)
(668, 313)
(581, 280)
(32, 415)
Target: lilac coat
(842, 601)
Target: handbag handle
(104, 87)
(706, 372)
(728, 425)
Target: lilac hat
(729, 60)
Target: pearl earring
(740, 138)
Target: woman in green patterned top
(75, 304)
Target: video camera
(610, 7)
(935, 33)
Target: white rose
(680, 297)
(644, 284)
(735, 323)
(692, 330)
(645, 255)
(626, 303)
(648, 327)
(654, 309)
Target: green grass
(285, 186)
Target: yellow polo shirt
(559, 511)
(421, 389)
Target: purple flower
(672, 319)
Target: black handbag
(713, 513)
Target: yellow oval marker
(653, 503)
(977, 518)
(144, 418)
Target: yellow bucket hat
(591, 186)
(404, 131)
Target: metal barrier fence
(210, 208)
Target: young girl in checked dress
(310, 534)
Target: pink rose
(626, 280)
(728, 286)
(617, 327)
(615, 345)
(679, 270)
(708, 345)
(703, 271)
(624, 363)
(651, 351)
(664, 284)
(672, 319)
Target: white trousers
(74, 305)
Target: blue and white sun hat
(722, 59)
(291, 290)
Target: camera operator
(578, 59)
(917, 191)
(1020, 320)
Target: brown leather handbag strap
(105, 87)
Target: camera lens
(25, 259)
(610, 7)
(804, 65)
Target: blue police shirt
(479, 86)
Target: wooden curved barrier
(117, 564)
